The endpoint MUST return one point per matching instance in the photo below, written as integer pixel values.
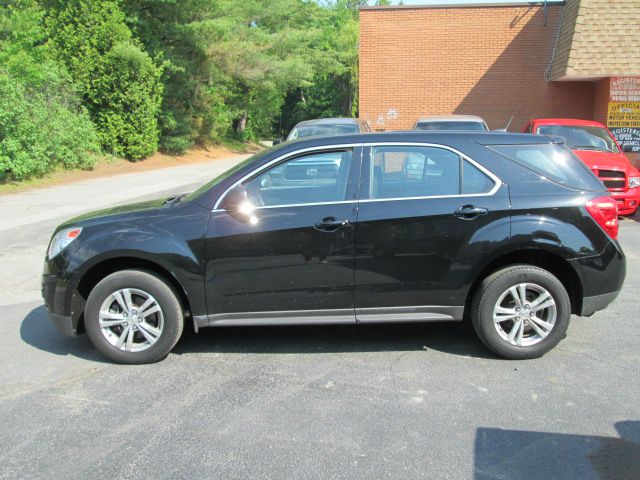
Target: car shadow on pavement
(39, 332)
(635, 217)
(528, 455)
(449, 337)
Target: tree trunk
(241, 123)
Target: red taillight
(604, 211)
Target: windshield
(478, 126)
(582, 138)
(226, 174)
(322, 130)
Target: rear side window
(474, 181)
(552, 161)
(408, 171)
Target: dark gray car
(327, 127)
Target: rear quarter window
(554, 162)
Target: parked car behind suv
(326, 127)
(596, 147)
(509, 231)
(322, 167)
(451, 123)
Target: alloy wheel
(131, 319)
(525, 314)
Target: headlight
(62, 239)
(634, 182)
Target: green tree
(333, 91)
(240, 68)
(119, 81)
(193, 108)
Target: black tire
(173, 316)
(488, 294)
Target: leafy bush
(42, 124)
(39, 132)
(176, 144)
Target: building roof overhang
(597, 39)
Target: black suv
(509, 231)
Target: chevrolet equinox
(511, 232)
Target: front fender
(172, 242)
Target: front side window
(407, 171)
(313, 178)
(582, 138)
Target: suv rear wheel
(521, 312)
(133, 316)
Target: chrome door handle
(469, 212)
(330, 224)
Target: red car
(596, 147)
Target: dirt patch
(109, 167)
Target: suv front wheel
(133, 316)
(521, 312)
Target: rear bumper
(591, 305)
(601, 278)
(627, 201)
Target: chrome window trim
(497, 181)
(262, 207)
(397, 199)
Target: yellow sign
(624, 114)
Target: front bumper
(64, 309)
(627, 201)
(64, 324)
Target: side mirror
(627, 147)
(277, 141)
(237, 204)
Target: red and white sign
(624, 89)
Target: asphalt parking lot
(397, 402)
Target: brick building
(495, 60)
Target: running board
(345, 316)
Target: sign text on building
(624, 89)
(629, 136)
(624, 114)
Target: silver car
(451, 122)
